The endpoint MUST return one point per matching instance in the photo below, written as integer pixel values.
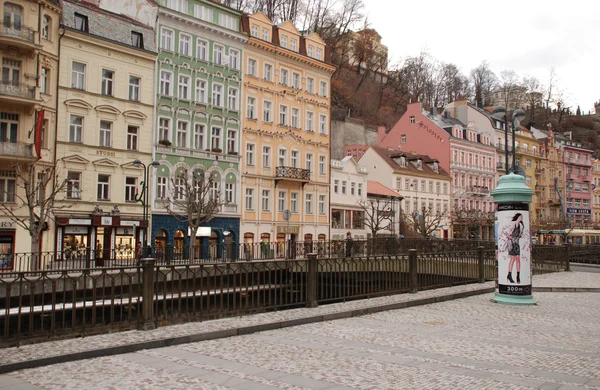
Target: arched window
(13, 16)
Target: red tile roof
(388, 155)
(376, 188)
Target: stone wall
(349, 132)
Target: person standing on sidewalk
(349, 244)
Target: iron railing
(51, 303)
(292, 173)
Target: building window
(249, 154)
(310, 120)
(103, 187)
(201, 91)
(282, 158)
(234, 59)
(229, 192)
(294, 159)
(252, 67)
(134, 88)
(323, 89)
(161, 187)
(185, 42)
(44, 80)
(319, 53)
(295, 118)
(266, 200)
(266, 156)
(267, 111)
(166, 39)
(412, 119)
(165, 82)
(281, 201)
(308, 202)
(296, 80)
(46, 22)
(218, 54)
(233, 99)
(215, 138)
(310, 85)
(132, 137)
(293, 44)
(178, 5)
(201, 47)
(283, 77)
(77, 75)
(164, 124)
(360, 189)
(81, 22)
(268, 72)
(309, 162)
(254, 32)
(249, 198)
(322, 163)
(321, 204)
(294, 202)
(322, 124)
(76, 129)
(265, 34)
(204, 13)
(344, 184)
(217, 95)
(283, 115)
(107, 82)
(184, 87)
(251, 107)
(105, 134)
(403, 139)
(181, 137)
(352, 188)
(231, 141)
(310, 50)
(284, 41)
(199, 136)
(73, 185)
(137, 39)
(130, 189)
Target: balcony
(500, 165)
(538, 171)
(12, 34)
(16, 149)
(478, 190)
(232, 157)
(15, 91)
(293, 174)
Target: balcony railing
(18, 149)
(293, 173)
(17, 31)
(17, 89)
(499, 165)
(478, 190)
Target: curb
(219, 334)
(567, 289)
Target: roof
(378, 189)
(388, 155)
(443, 122)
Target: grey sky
(527, 36)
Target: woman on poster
(514, 246)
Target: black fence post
(567, 258)
(147, 322)
(413, 278)
(481, 263)
(311, 282)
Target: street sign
(287, 214)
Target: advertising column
(513, 241)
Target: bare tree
(511, 91)
(550, 89)
(484, 81)
(31, 203)
(195, 198)
(471, 220)
(379, 214)
(533, 94)
(426, 222)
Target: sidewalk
(36, 355)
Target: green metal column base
(514, 299)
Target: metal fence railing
(62, 303)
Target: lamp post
(517, 117)
(143, 198)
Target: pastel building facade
(197, 126)
(105, 116)
(349, 185)
(285, 134)
(29, 53)
(578, 181)
(596, 193)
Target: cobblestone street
(468, 343)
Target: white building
(348, 193)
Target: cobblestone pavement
(469, 343)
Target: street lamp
(517, 116)
(143, 198)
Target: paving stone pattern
(469, 343)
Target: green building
(198, 116)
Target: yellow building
(105, 123)
(530, 153)
(29, 39)
(285, 133)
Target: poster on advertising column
(514, 249)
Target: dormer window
(254, 31)
(435, 166)
(419, 163)
(402, 161)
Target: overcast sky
(527, 36)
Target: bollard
(147, 321)
(311, 282)
(413, 279)
(480, 260)
(567, 259)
